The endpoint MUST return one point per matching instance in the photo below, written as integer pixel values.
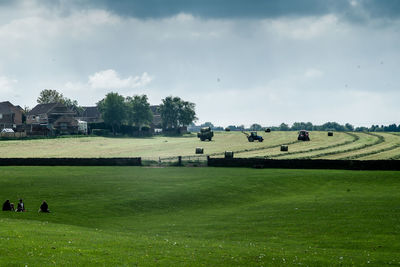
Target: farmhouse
(91, 115)
(10, 115)
(53, 118)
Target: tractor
(253, 136)
(303, 136)
(205, 133)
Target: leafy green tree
(176, 112)
(47, 96)
(50, 96)
(207, 124)
(113, 110)
(349, 127)
(284, 127)
(138, 110)
(256, 127)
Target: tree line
(328, 126)
(118, 111)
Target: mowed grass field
(343, 145)
(137, 216)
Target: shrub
(101, 132)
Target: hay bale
(284, 148)
(330, 133)
(229, 154)
(199, 150)
(268, 130)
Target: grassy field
(340, 146)
(136, 216)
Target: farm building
(10, 115)
(52, 118)
(91, 115)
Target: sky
(239, 61)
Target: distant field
(137, 216)
(340, 146)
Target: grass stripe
(238, 151)
(381, 139)
(373, 152)
(355, 139)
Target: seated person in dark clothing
(7, 205)
(12, 207)
(21, 206)
(44, 207)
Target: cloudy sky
(240, 61)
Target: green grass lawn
(136, 216)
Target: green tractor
(205, 134)
(253, 136)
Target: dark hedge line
(306, 164)
(70, 162)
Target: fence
(306, 164)
(13, 135)
(197, 160)
(70, 162)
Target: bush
(101, 132)
(145, 129)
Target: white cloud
(109, 79)
(302, 28)
(353, 3)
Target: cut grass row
(318, 140)
(391, 142)
(361, 140)
(355, 138)
(370, 140)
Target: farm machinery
(303, 136)
(205, 133)
(253, 136)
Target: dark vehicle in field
(303, 136)
(253, 136)
(205, 134)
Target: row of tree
(117, 110)
(329, 126)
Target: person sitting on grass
(21, 206)
(12, 207)
(44, 207)
(7, 205)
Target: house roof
(91, 112)
(154, 109)
(58, 108)
(6, 107)
(42, 108)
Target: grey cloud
(355, 10)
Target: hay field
(343, 145)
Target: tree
(53, 96)
(138, 110)
(176, 112)
(256, 127)
(207, 124)
(113, 110)
(284, 127)
(50, 96)
(349, 127)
